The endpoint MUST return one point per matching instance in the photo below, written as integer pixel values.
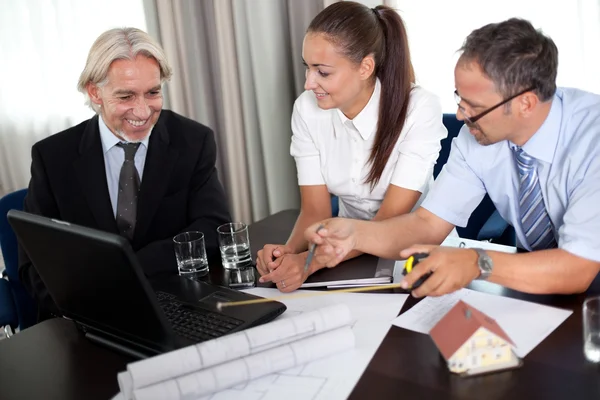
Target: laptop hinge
(126, 349)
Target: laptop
(95, 279)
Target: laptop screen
(94, 279)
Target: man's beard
(481, 137)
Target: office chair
(17, 308)
(335, 206)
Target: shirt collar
(366, 120)
(109, 140)
(542, 144)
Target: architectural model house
(473, 343)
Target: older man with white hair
(134, 168)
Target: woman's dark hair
(515, 56)
(358, 31)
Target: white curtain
(43, 48)
(237, 68)
(437, 29)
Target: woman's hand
(265, 260)
(334, 241)
(289, 273)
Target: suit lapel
(91, 173)
(160, 160)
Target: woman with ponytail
(362, 130)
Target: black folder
(360, 271)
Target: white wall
(437, 29)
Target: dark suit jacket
(179, 192)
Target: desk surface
(52, 360)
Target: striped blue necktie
(534, 217)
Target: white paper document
(455, 241)
(526, 323)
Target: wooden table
(52, 360)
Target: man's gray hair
(515, 56)
(119, 44)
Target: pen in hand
(311, 250)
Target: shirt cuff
(453, 199)
(309, 171)
(580, 249)
(412, 174)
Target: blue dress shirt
(113, 160)
(567, 149)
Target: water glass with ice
(234, 244)
(190, 252)
(591, 329)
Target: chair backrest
(453, 126)
(335, 206)
(486, 208)
(8, 240)
(26, 307)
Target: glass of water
(190, 252)
(591, 329)
(234, 244)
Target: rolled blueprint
(254, 366)
(197, 357)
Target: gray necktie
(129, 185)
(535, 220)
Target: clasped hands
(280, 265)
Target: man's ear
(527, 103)
(367, 67)
(94, 93)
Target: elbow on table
(579, 286)
(588, 277)
(584, 285)
(558, 287)
(578, 277)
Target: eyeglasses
(472, 120)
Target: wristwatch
(485, 264)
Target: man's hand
(266, 260)
(289, 275)
(452, 269)
(334, 241)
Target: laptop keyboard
(193, 323)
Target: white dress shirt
(113, 160)
(568, 165)
(333, 150)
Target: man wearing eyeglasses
(532, 147)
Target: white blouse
(333, 150)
